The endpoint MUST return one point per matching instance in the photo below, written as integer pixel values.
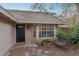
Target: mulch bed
(53, 51)
(50, 50)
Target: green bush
(61, 35)
(76, 29)
(74, 37)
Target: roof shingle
(35, 17)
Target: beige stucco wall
(6, 36)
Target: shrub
(76, 29)
(38, 42)
(42, 42)
(74, 36)
(61, 35)
(52, 40)
(45, 41)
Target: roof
(35, 17)
(7, 14)
(22, 16)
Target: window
(34, 31)
(42, 33)
(46, 31)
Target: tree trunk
(77, 4)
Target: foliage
(75, 34)
(52, 40)
(69, 11)
(42, 42)
(40, 7)
(61, 35)
(48, 41)
(38, 42)
(76, 28)
(74, 37)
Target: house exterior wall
(7, 37)
(29, 34)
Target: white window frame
(38, 30)
(51, 26)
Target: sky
(27, 6)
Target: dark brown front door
(20, 33)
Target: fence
(66, 30)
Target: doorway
(20, 33)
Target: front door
(20, 33)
